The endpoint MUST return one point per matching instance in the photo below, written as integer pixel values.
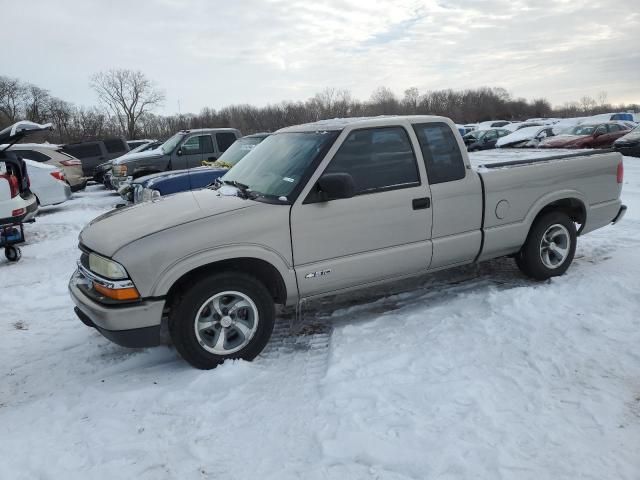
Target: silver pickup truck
(324, 208)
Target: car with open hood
(527, 137)
(587, 135)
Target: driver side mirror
(333, 186)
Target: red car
(587, 136)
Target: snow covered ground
(476, 373)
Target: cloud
(207, 53)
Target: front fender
(186, 264)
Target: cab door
(192, 151)
(456, 195)
(381, 233)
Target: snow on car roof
(19, 146)
(341, 123)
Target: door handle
(421, 203)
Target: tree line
(128, 98)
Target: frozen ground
(473, 374)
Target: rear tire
(222, 316)
(13, 254)
(549, 248)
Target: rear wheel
(13, 254)
(549, 248)
(222, 316)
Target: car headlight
(149, 194)
(120, 170)
(106, 268)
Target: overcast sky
(214, 53)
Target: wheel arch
(571, 203)
(263, 270)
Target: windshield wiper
(243, 190)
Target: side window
(377, 158)
(225, 140)
(85, 150)
(114, 145)
(601, 130)
(503, 133)
(614, 128)
(197, 144)
(33, 155)
(491, 135)
(441, 152)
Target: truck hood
(132, 157)
(108, 233)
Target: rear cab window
(377, 159)
(115, 145)
(441, 152)
(225, 140)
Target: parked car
(587, 136)
(324, 208)
(186, 149)
(93, 153)
(17, 203)
(492, 124)
(104, 169)
(484, 139)
(48, 183)
(609, 117)
(527, 137)
(54, 156)
(167, 183)
(629, 144)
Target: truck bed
(515, 191)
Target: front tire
(549, 248)
(13, 254)
(222, 316)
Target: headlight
(106, 268)
(149, 194)
(120, 170)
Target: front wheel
(549, 248)
(222, 316)
(13, 254)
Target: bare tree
(12, 94)
(128, 94)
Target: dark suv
(93, 153)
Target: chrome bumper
(147, 313)
(620, 215)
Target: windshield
(475, 135)
(275, 167)
(582, 130)
(171, 144)
(237, 151)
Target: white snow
(526, 133)
(475, 373)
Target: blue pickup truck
(166, 183)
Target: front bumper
(132, 325)
(117, 182)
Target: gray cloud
(207, 53)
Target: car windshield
(275, 167)
(583, 130)
(171, 144)
(238, 150)
(475, 135)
